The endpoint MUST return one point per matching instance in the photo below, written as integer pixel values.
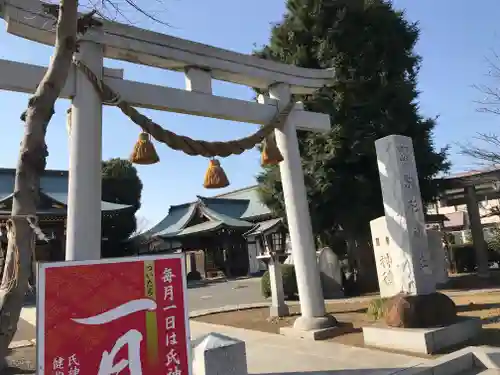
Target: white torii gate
(201, 64)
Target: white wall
(485, 207)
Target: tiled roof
(53, 183)
(255, 206)
(177, 218)
(232, 209)
(176, 223)
(263, 226)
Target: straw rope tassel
(144, 151)
(215, 177)
(271, 154)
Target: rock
(420, 311)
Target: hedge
(464, 257)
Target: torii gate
(201, 64)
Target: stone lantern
(272, 244)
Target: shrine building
(51, 210)
(215, 233)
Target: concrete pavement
(271, 353)
(221, 293)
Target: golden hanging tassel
(144, 151)
(215, 177)
(271, 154)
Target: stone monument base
(422, 340)
(420, 311)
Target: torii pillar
(312, 304)
(83, 230)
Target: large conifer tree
(371, 47)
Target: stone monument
(404, 262)
(391, 262)
(404, 216)
(394, 271)
(404, 213)
(330, 273)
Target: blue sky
(455, 41)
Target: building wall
(485, 207)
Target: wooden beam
(22, 77)
(26, 19)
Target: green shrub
(289, 282)
(376, 308)
(464, 256)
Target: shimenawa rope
(33, 223)
(182, 143)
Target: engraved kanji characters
(404, 153)
(386, 263)
(408, 181)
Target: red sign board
(126, 316)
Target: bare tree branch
(488, 152)
(491, 101)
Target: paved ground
(219, 294)
(268, 353)
(25, 331)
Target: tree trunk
(30, 165)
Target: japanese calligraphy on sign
(403, 153)
(386, 264)
(136, 322)
(63, 366)
(408, 181)
(413, 205)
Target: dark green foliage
(494, 241)
(374, 95)
(464, 257)
(289, 282)
(120, 184)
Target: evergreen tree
(371, 48)
(120, 184)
